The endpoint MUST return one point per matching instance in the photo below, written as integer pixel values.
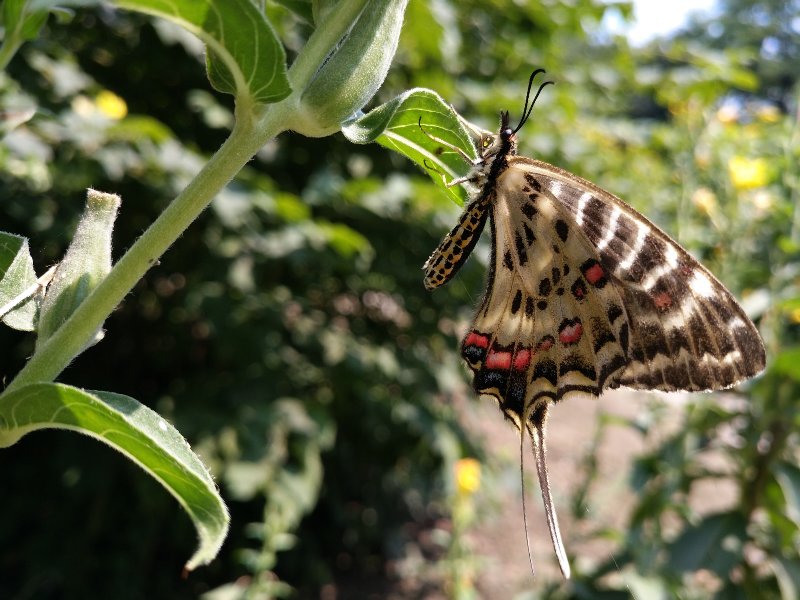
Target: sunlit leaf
(17, 276)
(246, 57)
(406, 125)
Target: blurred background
(287, 334)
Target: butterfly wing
(584, 293)
(687, 332)
(550, 324)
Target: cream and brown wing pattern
(551, 323)
(687, 332)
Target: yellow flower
(111, 105)
(748, 173)
(704, 199)
(767, 113)
(794, 315)
(468, 475)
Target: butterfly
(583, 294)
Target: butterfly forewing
(687, 331)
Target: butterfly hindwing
(548, 325)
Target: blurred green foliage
(288, 336)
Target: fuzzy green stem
(245, 140)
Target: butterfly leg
(473, 161)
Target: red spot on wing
(662, 300)
(477, 339)
(522, 359)
(570, 332)
(545, 344)
(594, 273)
(498, 359)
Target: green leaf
(302, 8)
(245, 57)
(139, 433)
(787, 573)
(17, 278)
(20, 21)
(714, 544)
(788, 477)
(406, 123)
(787, 363)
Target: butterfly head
(503, 143)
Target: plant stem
(69, 340)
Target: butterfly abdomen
(456, 246)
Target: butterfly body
(583, 294)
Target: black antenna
(528, 109)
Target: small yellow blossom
(111, 105)
(468, 475)
(727, 114)
(748, 173)
(704, 199)
(768, 113)
(794, 315)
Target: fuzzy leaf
(17, 276)
(134, 430)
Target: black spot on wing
(574, 362)
(529, 209)
(614, 312)
(533, 182)
(529, 237)
(516, 303)
(528, 306)
(545, 368)
(522, 253)
(609, 368)
(562, 229)
(602, 334)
